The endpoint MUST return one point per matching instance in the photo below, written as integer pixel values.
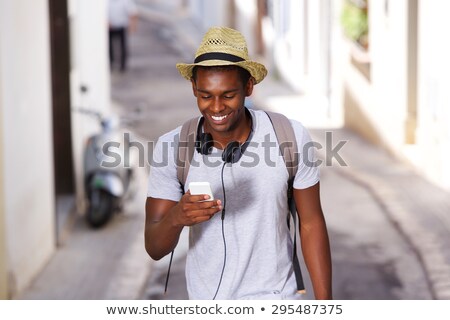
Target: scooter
(106, 183)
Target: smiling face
(220, 94)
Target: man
(245, 251)
(122, 17)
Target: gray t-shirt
(258, 242)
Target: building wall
(297, 39)
(275, 27)
(245, 21)
(27, 197)
(210, 13)
(389, 56)
(26, 138)
(3, 249)
(405, 105)
(90, 68)
(377, 107)
(433, 132)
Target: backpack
(285, 135)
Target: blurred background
(371, 74)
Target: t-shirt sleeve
(162, 181)
(308, 170)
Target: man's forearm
(316, 251)
(161, 237)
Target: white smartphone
(201, 188)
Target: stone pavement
(417, 208)
(375, 188)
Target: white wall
(27, 140)
(210, 13)
(90, 67)
(300, 43)
(289, 43)
(246, 15)
(3, 248)
(383, 100)
(316, 46)
(433, 134)
(389, 51)
(26, 143)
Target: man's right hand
(192, 209)
(165, 219)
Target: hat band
(218, 56)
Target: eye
(229, 96)
(205, 96)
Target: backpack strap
(289, 150)
(183, 155)
(186, 148)
(287, 142)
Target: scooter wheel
(101, 208)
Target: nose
(217, 106)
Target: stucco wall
(382, 100)
(90, 68)
(26, 145)
(433, 134)
(27, 142)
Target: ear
(249, 86)
(194, 87)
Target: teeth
(218, 118)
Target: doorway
(61, 113)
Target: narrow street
(371, 259)
(372, 205)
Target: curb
(425, 245)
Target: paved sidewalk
(416, 207)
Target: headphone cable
(223, 234)
(168, 272)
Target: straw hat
(223, 46)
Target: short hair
(244, 75)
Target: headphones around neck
(232, 152)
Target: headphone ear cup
(204, 143)
(232, 153)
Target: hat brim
(257, 70)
